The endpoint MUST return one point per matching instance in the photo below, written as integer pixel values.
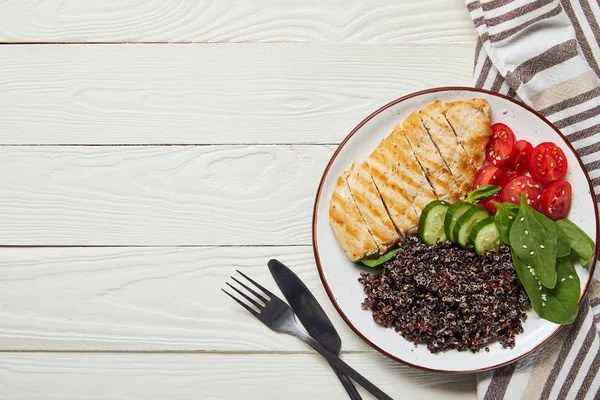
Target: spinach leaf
(579, 241)
(505, 216)
(558, 305)
(374, 262)
(533, 238)
(482, 192)
(563, 248)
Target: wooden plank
(145, 299)
(60, 376)
(159, 195)
(200, 94)
(374, 21)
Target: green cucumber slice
(485, 236)
(431, 224)
(465, 224)
(455, 211)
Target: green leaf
(482, 192)
(505, 216)
(374, 262)
(563, 246)
(533, 239)
(558, 305)
(579, 241)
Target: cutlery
(278, 315)
(311, 315)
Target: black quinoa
(447, 297)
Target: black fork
(279, 316)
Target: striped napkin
(546, 53)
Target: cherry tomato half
(489, 175)
(520, 162)
(556, 199)
(489, 204)
(502, 145)
(522, 184)
(547, 163)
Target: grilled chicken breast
(347, 223)
(385, 171)
(430, 160)
(454, 156)
(367, 199)
(435, 153)
(411, 175)
(471, 121)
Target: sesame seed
(524, 246)
(542, 246)
(512, 198)
(540, 288)
(563, 279)
(510, 217)
(543, 304)
(529, 184)
(526, 232)
(544, 297)
(562, 193)
(570, 276)
(531, 253)
(498, 158)
(551, 165)
(536, 186)
(539, 196)
(522, 219)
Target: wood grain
(143, 299)
(219, 93)
(159, 195)
(373, 21)
(211, 377)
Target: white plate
(340, 276)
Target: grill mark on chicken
(471, 122)
(348, 225)
(371, 207)
(450, 150)
(429, 159)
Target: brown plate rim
(356, 129)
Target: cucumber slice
(465, 224)
(431, 224)
(484, 236)
(455, 211)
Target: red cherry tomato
(502, 145)
(489, 175)
(489, 204)
(547, 163)
(520, 162)
(556, 199)
(511, 174)
(522, 184)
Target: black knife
(312, 316)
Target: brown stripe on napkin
(497, 37)
(553, 56)
(517, 12)
(500, 382)
(581, 37)
(492, 5)
(585, 347)
(571, 102)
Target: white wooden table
(149, 148)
